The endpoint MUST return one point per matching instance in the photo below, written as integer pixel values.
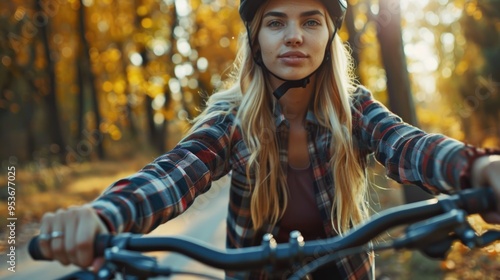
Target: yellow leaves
(203, 13)
(471, 7)
(141, 38)
(477, 15)
(134, 76)
(116, 135)
(119, 87)
(472, 60)
(448, 265)
(107, 86)
(472, 10)
(369, 37)
(111, 129)
(142, 10)
(154, 89)
(202, 39)
(110, 58)
(462, 67)
(464, 263)
(95, 18)
(146, 23)
(169, 115)
(94, 54)
(438, 120)
(360, 20)
(67, 52)
(491, 142)
(113, 55)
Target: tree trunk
(97, 140)
(354, 41)
(157, 132)
(128, 110)
(398, 84)
(81, 97)
(54, 128)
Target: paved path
(205, 220)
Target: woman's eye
(312, 23)
(274, 23)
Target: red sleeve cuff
(109, 225)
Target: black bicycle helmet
(248, 9)
(336, 9)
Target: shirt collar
(280, 119)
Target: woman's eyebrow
(312, 13)
(303, 14)
(275, 14)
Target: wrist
(477, 159)
(478, 169)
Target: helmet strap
(288, 84)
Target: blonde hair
(251, 93)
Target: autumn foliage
(87, 81)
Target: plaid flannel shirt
(168, 186)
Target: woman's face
(293, 37)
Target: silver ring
(56, 234)
(44, 236)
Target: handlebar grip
(35, 251)
(102, 241)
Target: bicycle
(432, 226)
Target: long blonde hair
(251, 93)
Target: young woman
(295, 132)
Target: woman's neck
(295, 103)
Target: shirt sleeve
(168, 186)
(433, 162)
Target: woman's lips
(293, 57)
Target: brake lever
(135, 263)
(439, 249)
(432, 236)
(80, 275)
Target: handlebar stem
(296, 242)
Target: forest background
(91, 90)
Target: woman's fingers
(97, 264)
(44, 237)
(70, 219)
(486, 172)
(89, 226)
(68, 235)
(58, 236)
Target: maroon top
(302, 211)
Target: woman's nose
(293, 36)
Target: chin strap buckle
(281, 90)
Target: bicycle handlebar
(472, 201)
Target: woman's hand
(68, 236)
(486, 172)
